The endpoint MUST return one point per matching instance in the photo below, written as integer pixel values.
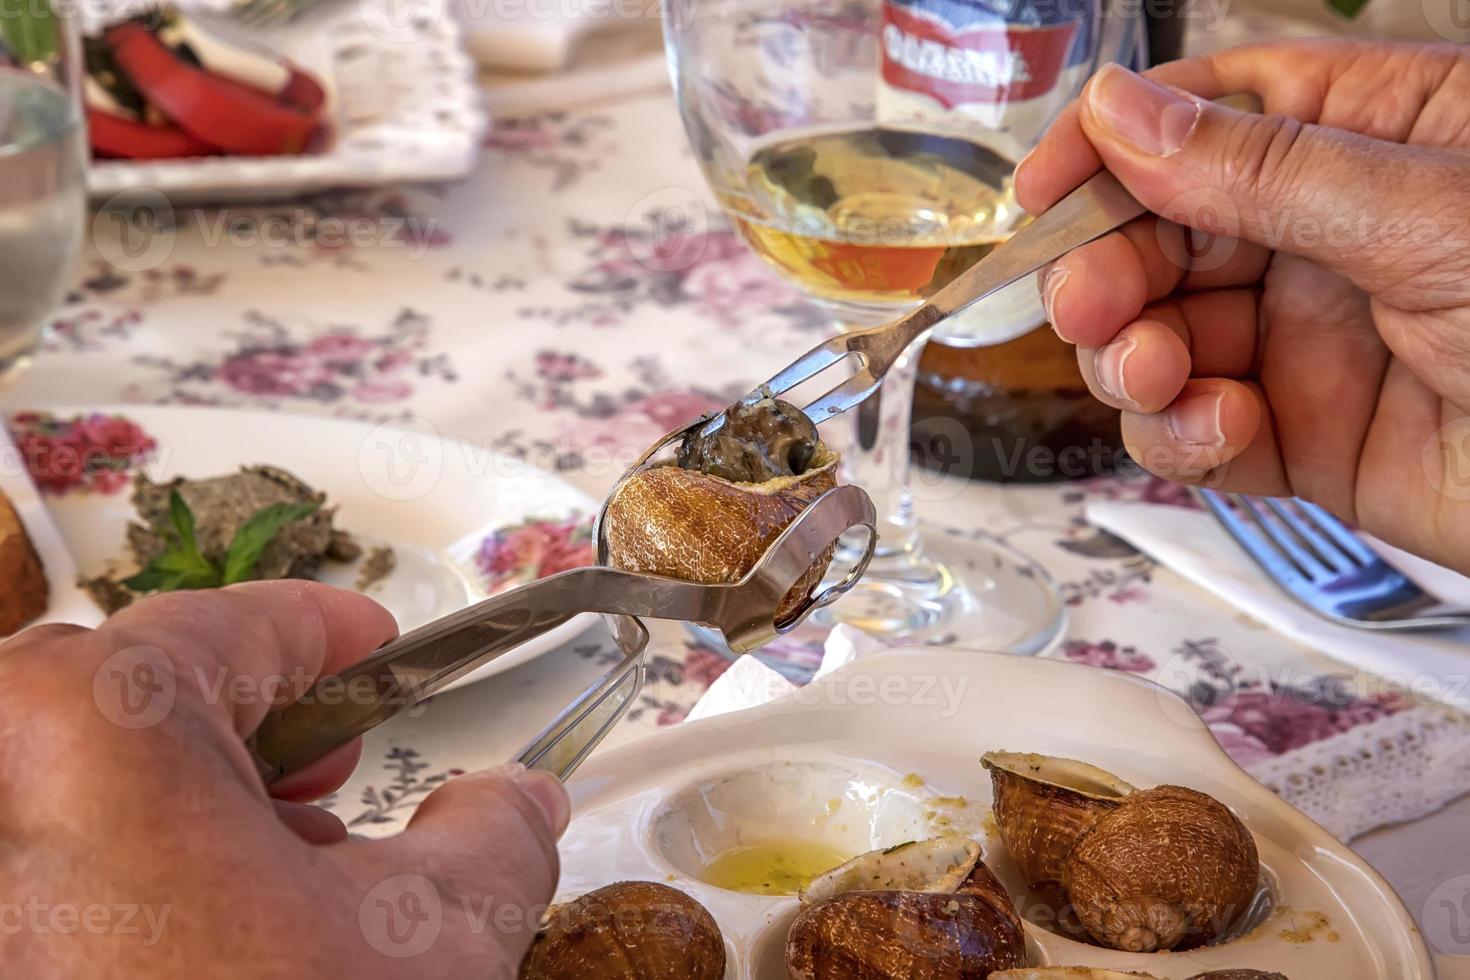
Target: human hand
(1296, 319)
(139, 840)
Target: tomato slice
(115, 136)
(217, 111)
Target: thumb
(477, 865)
(1363, 207)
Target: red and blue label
(966, 51)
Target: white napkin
(527, 40)
(1191, 544)
(543, 35)
(749, 683)
(69, 604)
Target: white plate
(432, 498)
(402, 104)
(877, 753)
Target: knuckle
(1261, 158)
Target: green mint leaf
(150, 579)
(1348, 8)
(182, 566)
(177, 568)
(257, 532)
(183, 521)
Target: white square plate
(402, 104)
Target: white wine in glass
(866, 149)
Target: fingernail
(1196, 419)
(1051, 287)
(1108, 362)
(1153, 118)
(547, 792)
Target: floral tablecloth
(533, 309)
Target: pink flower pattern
(580, 397)
(1109, 655)
(279, 361)
(534, 549)
(85, 453)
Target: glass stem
(876, 458)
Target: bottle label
(980, 51)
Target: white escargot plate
(887, 750)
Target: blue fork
(1323, 564)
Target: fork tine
(813, 362)
(1345, 537)
(1249, 537)
(843, 396)
(1282, 537)
(1306, 529)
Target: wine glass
(42, 172)
(865, 149)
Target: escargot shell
(1068, 973)
(1043, 805)
(929, 910)
(1088, 973)
(697, 527)
(632, 930)
(1170, 868)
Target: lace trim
(1395, 769)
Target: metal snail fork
(423, 662)
(1099, 206)
(1322, 564)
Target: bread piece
(23, 588)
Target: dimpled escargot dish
(632, 930)
(1087, 973)
(709, 516)
(926, 910)
(1137, 870)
